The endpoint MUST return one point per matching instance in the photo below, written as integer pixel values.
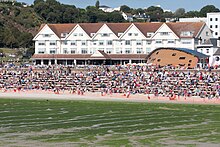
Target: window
(46, 35)
(84, 51)
(109, 50)
(150, 34)
(93, 42)
(164, 33)
(182, 58)
(207, 51)
(41, 50)
(148, 50)
(127, 42)
(65, 51)
(41, 43)
(92, 50)
(148, 42)
(80, 34)
(216, 33)
(129, 34)
(53, 43)
(135, 34)
(73, 43)
(216, 19)
(174, 54)
(83, 42)
(216, 26)
(109, 42)
(127, 50)
(73, 50)
(105, 35)
(139, 50)
(119, 34)
(52, 51)
(118, 50)
(158, 42)
(170, 41)
(64, 42)
(63, 35)
(210, 26)
(139, 42)
(186, 41)
(74, 34)
(207, 33)
(210, 19)
(92, 34)
(186, 33)
(101, 42)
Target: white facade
(109, 9)
(112, 41)
(194, 19)
(213, 22)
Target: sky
(172, 5)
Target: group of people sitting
(148, 80)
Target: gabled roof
(148, 27)
(178, 27)
(118, 27)
(91, 27)
(100, 54)
(61, 28)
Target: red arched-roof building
(176, 57)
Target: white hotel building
(113, 43)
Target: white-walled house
(117, 43)
(213, 22)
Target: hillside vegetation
(18, 24)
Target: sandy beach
(96, 96)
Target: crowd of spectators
(148, 80)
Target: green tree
(38, 1)
(97, 4)
(193, 14)
(208, 9)
(115, 17)
(155, 13)
(180, 12)
(125, 8)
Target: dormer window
(119, 34)
(105, 35)
(164, 33)
(186, 33)
(150, 34)
(46, 35)
(92, 34)
(63, 35)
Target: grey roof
(192, 52)
(217, 52)
(189, 51)
(213, 41)
(104, 6)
